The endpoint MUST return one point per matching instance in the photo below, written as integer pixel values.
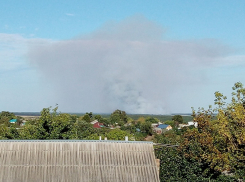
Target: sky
(140, 56)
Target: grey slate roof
(88, 161)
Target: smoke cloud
(124, 65)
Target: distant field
(163, 118)
(27, 113)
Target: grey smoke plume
(125, 65)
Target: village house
(190, 123)
(13, 120)
(97, 124)
(161, 128)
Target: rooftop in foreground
(77, 160)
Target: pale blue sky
(191, 19)
(205, 33)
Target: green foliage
(215, 147)
(178, 118)
(219, 142)
(168, 137)
(139, 136)
(90, 114)
(50, 125)
(98, 117)
(117, 134)
(3, 132)
(105, 121)
(19, 121)
(94, 136)
(172, 123)
(5, 116)
(84, 129)
(175, 167)
(73, 118)
(151, 120)
(87, 118)
(146, 128)
(30, 132)
(8, 132)
(118, 116)
(130, 128)
(5, 121)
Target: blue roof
(163, 126)
(13, 120)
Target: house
(77, 161)
(162, 128)
(190, 123)
(182, 126)
(94, 121)
(13, 121)
(97, 124)
(158, 130)
(154, 125)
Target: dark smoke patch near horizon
(125, 65)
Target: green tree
(19, 121)
(98, 117)
(8, 132)
(151, 120)
(146, 128)
(90, 114)
(81, 130)
(50, 125)
(219, 142)
(175, 167)
(168, 137)
(117, 134)
(118, 116)
(86, 118)
(178, 118)
(30, 132)
(5, 116)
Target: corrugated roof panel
(110, 161)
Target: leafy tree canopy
(219, 142)
(118, 116)
(178, 118)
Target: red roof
(98, 125)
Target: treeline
(215, 150)
(55, 125)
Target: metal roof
(107, 141)
(13, 120)
(77, 160)
(162, 126)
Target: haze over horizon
(156, 57)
